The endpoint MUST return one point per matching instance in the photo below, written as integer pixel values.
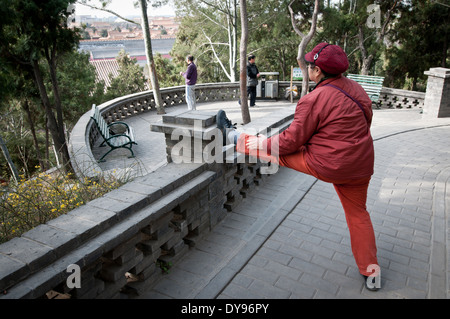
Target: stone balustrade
(400, 99)
(84, 134)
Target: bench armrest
(111, 126)
(119, 135)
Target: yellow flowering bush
(35, 201)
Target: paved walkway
(289, 238)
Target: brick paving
(309, 255)
(288, 239)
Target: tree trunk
(47, 143)
(303, 43)
(150, 61)
(51, 61)
(303, 66)
(366, 63)
(234, 28)
(15, 173)
(231, 50)
(62, 149)
(58, 139)
(26, 108)
(366, 58)
(243, 63)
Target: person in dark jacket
(329, 139)
(252, 79)
(191, 79)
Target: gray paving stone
(319, 283)
(267, 290)
(297, 289)
(233, 291)
(242, 280)
(280, 268)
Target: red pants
(352, 194)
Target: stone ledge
(438, 72)
(22, 256)
(28, 254)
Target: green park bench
(370, 83)
(115, 135)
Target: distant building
(101, 49)
(120, 29)
(125, 36)
(103, 54)
(104, 68)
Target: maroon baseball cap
(328, 57)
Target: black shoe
(224, 124)
(371, 284)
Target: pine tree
(34, 34)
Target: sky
(122, 7)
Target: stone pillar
(437, 97)
(191, 137)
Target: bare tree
(243, 53)
(223, 14)
(150, 61)
(304, 42)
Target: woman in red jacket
(329, 139)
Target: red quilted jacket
(333, 130)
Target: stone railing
(119, 245)
(400, 99)
(84, 134)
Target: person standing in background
(191, 79)
(252, 79)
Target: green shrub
(35, 201)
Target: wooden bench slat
(124, 139)
(370, 83)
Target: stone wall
(124, 241)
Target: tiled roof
(105, 67)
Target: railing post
(191, 136)
(437, 97)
